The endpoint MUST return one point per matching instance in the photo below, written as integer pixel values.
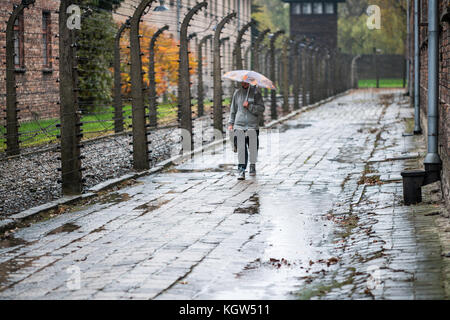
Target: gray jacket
(243, 118)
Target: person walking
(247, 106)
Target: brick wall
(37, 89)
(444, 93)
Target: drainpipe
(415, 179)
(432, 157)
(417, 127)
(408, 46)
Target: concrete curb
(12, 221)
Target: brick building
(203, 24)
(315, 19)
(36, 47)
(444, 86)
(36, 69)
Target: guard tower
(315, 18)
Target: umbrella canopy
(252, 77)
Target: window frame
(314, 4)
(304, 5)
(326, 4)
(19, 31)
(47, 35)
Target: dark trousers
(247, 143)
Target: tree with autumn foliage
(356, 38)
(166, 61)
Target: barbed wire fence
(155, 101)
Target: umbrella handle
(248, 90)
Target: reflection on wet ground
(321, 220)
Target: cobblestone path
(323, 219)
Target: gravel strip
(32, 178)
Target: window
(317, 8)
(296, 8)
(306, 8)
(46, 40)
(18, 42)
(329, 8)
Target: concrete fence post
(285, 74)
(256, 58)
(117, 102)
(238, 44)
(375, 67)
(296, 73)
(69, 112)
(200, 90)
(273, 93)
(312, 78)
(12, 123)
(246, 57)
(304, 67)
(184, 84)
(354, 71)
(152, 107)
(217, 74)
(140, 142)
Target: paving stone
(311, 225)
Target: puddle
(288, 126)
(250, 206)
(10, 241)
(10, 267)
(152, 205)
(115, 198)
(221, 168)
(67, 227)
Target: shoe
(252, 170)
(241, 175)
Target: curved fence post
(152, 112)
(237, 45)
(267, 67)
(333, 72)
(118, 112)
(184, 92)
(304, 67)
(12, 123)
(69, 113)
(200, 90)
(285, 75)
(255, 53)
(311, 78)
(273, 93)
(140, 143)
(246, 57)
(217, 74)
(297, 73)
(354, 71)
(320, 65)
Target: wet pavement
(323, 219)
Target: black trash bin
(412, 186)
